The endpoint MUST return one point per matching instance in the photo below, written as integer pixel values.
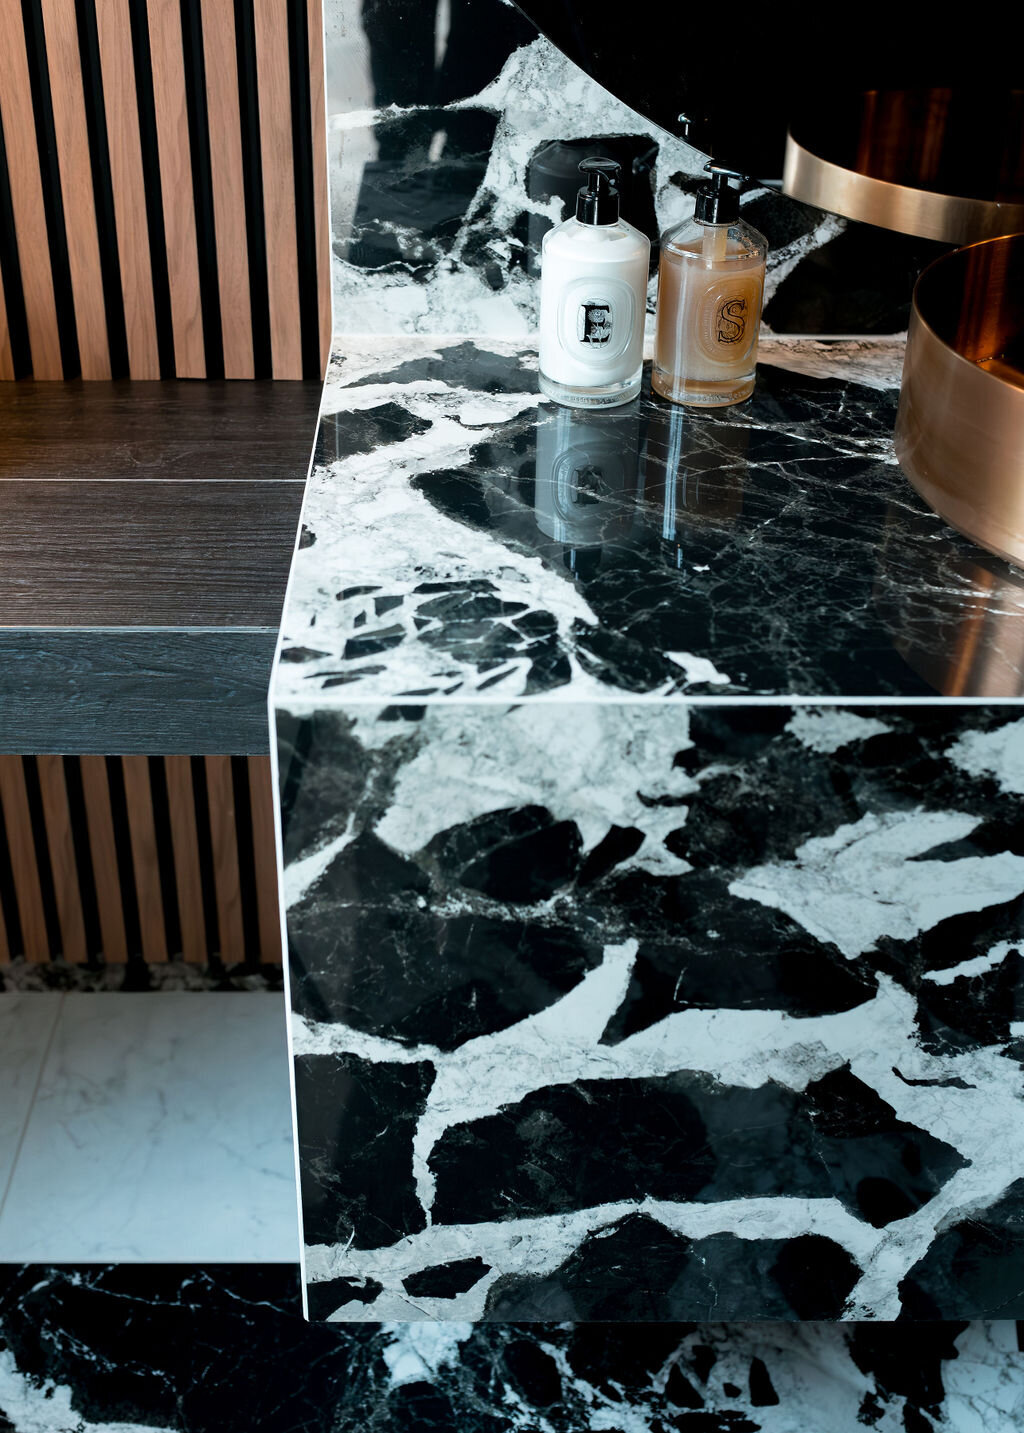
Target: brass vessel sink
(944, 164)
(960, 425)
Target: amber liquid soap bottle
(710, 289)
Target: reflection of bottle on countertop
(593, 297)
(710, 289)
(585, 482)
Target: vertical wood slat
(75, 166)
(222, 100)
(318, 100)
(188, 879)
(21, 847)
(100, 822)
(221, 797)
(145, 856)
(273, 81)
(268, 908)
(166, 46)
(27, 196)
(63, 864)
(128, 185)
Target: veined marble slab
(464, 541)
(131, 1349)
(26, 1026)
(159, 1132)
(653, 916)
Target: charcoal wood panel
(180, 119)
(128, 554)
(131, 917)
(212, 430)
(164, 691)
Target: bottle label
(596, 321)
(728, 318)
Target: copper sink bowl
(960, 426)
(944, 164)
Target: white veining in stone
(978, 965)
(826, 730)
(998, 753)
(26, 1026)
(144, 1096)
(32, 1407)
(865, 881)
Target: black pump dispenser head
(717, 201)
(598, 201)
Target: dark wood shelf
(145, 543)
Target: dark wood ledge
(146, 532)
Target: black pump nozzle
(598, 201)
(717, 201)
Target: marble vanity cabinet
(651, 788)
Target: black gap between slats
(154, 192)
(165, 853)
(302, 166)
(53, 202)
(102, 186)
(83, 857)
(202, 185)
(205, 844)
(246, 859)
(252, 173)
(10, 268)
(40, 845)
(125, 868)
(9, 912)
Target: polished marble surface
(159, 1129)
(26, 1028)
(453, 134)
(224, 1350)
(653, 913)
(464, 541)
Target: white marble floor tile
(26, 1024)
(161, 1132)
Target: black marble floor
(225, 1350)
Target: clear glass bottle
(710, 290)
(593, 298)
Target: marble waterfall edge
(582, 990)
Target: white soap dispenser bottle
(593, 298)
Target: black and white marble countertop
(133, 1349)
(464, 541)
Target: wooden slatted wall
(111, 858)
(163, 189)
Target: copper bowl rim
(950, 258)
